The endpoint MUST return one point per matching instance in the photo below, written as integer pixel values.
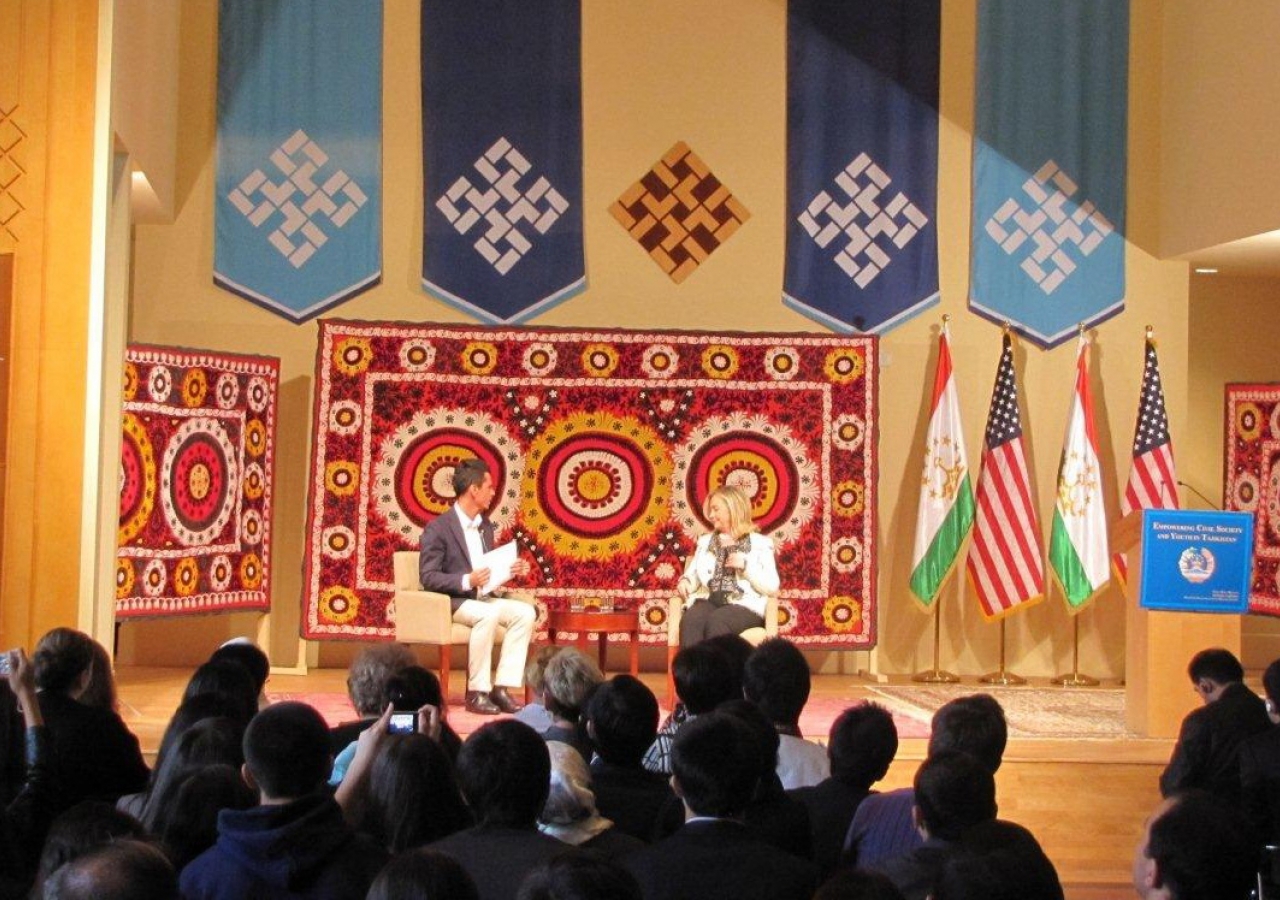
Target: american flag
(1006, 559)
(1153, 484)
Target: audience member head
(206, 743)
(861, 745)
(423, 875)
(953, 793)
(504, 770)
(715, 765)
(968, 875)
(858, 884)
(738, 505)
(229, 680)
(187, 825)
(414, 687)
(765, 735)
(1271, 687)
(622, 720)
(369, 673)
(63, 662)
(570, 813)
(123, 870)
(776, 679)
(80, 829)
(570, 678)
(1212, 670)
(736, 649)
(197, 709)
(248, 654)
(579, 876)
(101, 689)
(535, 670)
(703, 678)
(286, 752)
(412, 796)
(1195, 846)
(975, 725)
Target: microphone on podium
(1212, 505)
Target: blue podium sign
(1196, 560)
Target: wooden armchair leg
(445, 653)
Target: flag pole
(936, 675)
(1002, 675)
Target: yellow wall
(717, 82)
(145, 92)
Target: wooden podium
(1159, 645)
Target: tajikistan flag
(946, 492)
(1078, 546)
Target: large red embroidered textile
(1252, 482)
(603, 445)
(196, 464)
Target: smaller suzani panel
(196, 464)
(603, 446)
(1252, 482)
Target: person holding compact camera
(731, 573)
(25, 820)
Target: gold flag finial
(1151, 332)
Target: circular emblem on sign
(762, 458)
(413, 476)
(1197, 564)
(137, 479)
(597, 484)
(199, 478)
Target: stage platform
(1070, 773)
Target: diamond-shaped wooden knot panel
(679, 212)
(11, 137)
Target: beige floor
(1084, 800)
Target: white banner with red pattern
(196, 467)
(603, 445)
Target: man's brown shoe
(502, 700)
(478, 702)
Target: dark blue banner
(502, 155)
(862, 161)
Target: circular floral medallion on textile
(255, 483)
(417, 355)
(599, 360)
(848, 432)
(596, 485)
(220, 572)
(846, 555)
(186, 577)
(130, 381)
(258, 393)
(352, 355)
(227, 390)
(154, 578)
(788, 616)
(413, 474)
(842, 615)
(848, 498)
(255, 437)
(479, 357)
(195, 387)
(653, 615)
(341, 477)
(124, 578)
(137, 479)
(1248, 421)
(660, 361)
(251, 571)
(1244, 493)
(251, 526)
(539, 359)
(339, 604)
(160, 383)
(844, 365)
(759, 456)
(199, 481)
(337, 541)
(1273, 503)
(345, 417)
(720, 361)
(781, 363)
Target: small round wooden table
(603, 624)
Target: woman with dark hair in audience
(208, 742)
(77, 831)
(101, 689)
(228, 680)
(246, 653)
(423, 875)
(579, 876)
(24, 821)
(411, 795)
(96, 755)
(187, 824)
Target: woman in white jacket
(730, 574)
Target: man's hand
(521, 568)
(429, 722)
(480, 577)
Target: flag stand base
(1075, 679)
(1002, 675)
(936, 675)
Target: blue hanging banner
(502, 155)
(1049, 159)
(862, 161)
(1196, 560)
(298, 211)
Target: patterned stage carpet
(1032, 712)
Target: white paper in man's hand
(499, 562)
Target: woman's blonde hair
(739, 506)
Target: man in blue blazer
(450, 553)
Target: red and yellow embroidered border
(1252, 482)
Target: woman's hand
(429, 722)
(736, 560)
(683, 588)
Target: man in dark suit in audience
(1260, 766)
(622, 720)
(713, 855)
(861, 745)
(1195, 846)
(882, 827)
(1207, 754)
(504, 770)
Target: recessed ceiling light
(1206, 271)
